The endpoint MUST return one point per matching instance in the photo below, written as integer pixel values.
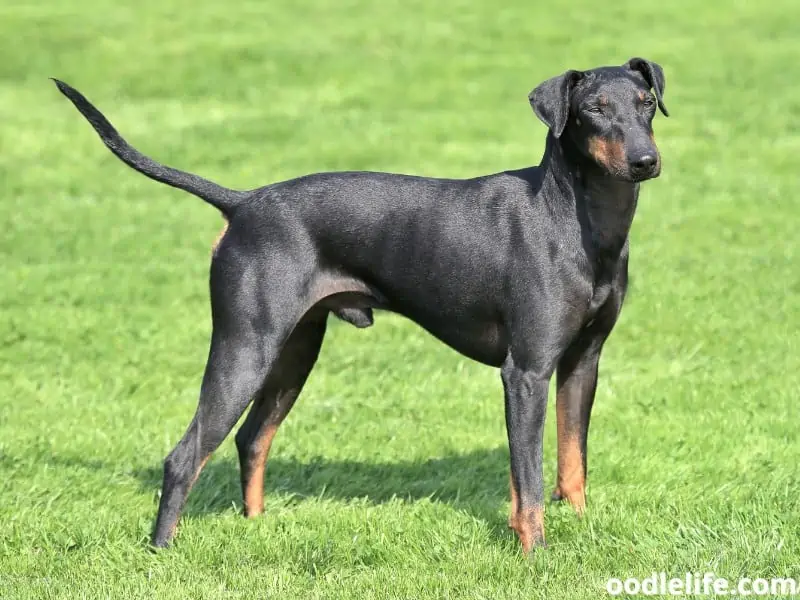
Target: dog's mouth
(637, 174)
(629, 176)
(635, 177)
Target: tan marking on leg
(514, 501)
(254, 491)
(197, 473)
(571, 483)
(172, 530)
(529, 525)
(528, 522)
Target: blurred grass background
(389, 479)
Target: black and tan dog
(524, 270)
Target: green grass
(389, 479)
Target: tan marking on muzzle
(608, 153)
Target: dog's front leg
(577, 382)
(526, 404)
(576, 387)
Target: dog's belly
(475, 336)
(484, 342)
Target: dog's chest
(605, 279)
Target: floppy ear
(654, 76)
(550, 100)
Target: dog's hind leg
(234, 374)
(246, 341)
(285, 382)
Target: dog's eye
(594, 109)
(649, 102)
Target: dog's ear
(654, 76)
(550, 100)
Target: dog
(524, 270)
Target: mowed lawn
(390, 477)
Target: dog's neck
(605, 206)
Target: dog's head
(607, 114)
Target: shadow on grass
(475, 482)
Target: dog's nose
(644, 162)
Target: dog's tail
(222, 198)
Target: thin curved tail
(222, 198)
